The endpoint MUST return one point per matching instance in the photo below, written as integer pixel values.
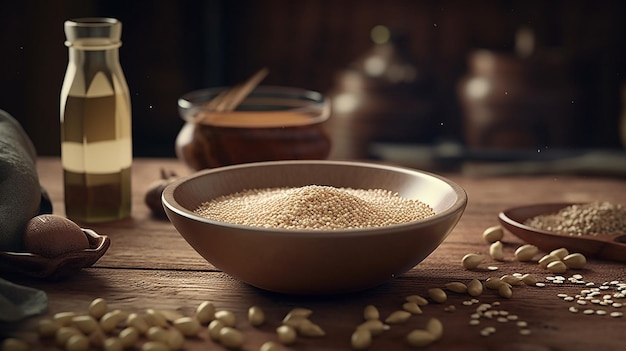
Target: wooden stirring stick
(229, 99)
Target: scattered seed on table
(361, 339)
(495, 251)
(437, 295)
(588, 311)
(412, 307)
(493, 234)
(205, 312)
(370, 312)
(231, 337)
(398, 317)
(286, 334)
(475, 288)
(421, 301)
(420, 338)
(472, 261)
(456, 287)
(616, 314)
(526, 252)
(256, 316)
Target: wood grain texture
(150, 266)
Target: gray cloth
(18, 302)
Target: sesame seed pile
(314, 207)
(594, 218)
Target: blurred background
(448, 75)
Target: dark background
(171, 47)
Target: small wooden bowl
(610, 247)
(58, 267)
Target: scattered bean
(111, 320)
(526, 252)
(128, 337)
(187, 325)
(557, 267)
(64, 334)
(543, 262)
(157, 334)
(412, 307)
(97, 308)
(505, 291)
(154, 346)
(63, 318)
(227, 317)
(256, 316)
(175, 340)
(374, 326)
(310, 329)
(437, 295)
(361, 339)
(475, 288)
(370, 312)
(420, 338)
(78, 342)
(494, 283)
(286, 334)
(435, 327)
(511, 279)
(495, 251)
(14, 344)
(575, 261)
(421, 301)
(529, 279)
(155, 318)
(205, 312)
(269, 346)
(231, 337)
(493, 234)
(47, 328)
(138, 322)
(472, 260)
(456, 287)
(112, 344)
(398, 317)
(560, 253)
(214, 329)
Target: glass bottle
(96, 137)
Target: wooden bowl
(313, 261)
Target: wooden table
(150, 266)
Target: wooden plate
(57, 267)
(610, 247)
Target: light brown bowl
(314, 262)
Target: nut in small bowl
(306, 261)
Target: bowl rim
(192, 101)
(169, 202)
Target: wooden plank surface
(150, 266)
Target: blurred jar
(381, 97)
(272, 123)
(518, 100)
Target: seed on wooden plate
(205, 312)
(128, 336)
(138, 322)
(78, 342)
(370, 312)
(456, 287)
(412, 307)
(495, 251)
(526, 252)
(560, 253)
(493, 234)
(214, 329)
(310, 329)
(435, 327)
(575, 261)
(155, 318)
(361, 339)
(557, 267)
(505, 291)
(420, 338)
(398, 317)
(437, 295)
(475, 288)
(374, 326)
(97, 308)
(187, 325)
(256, 316)
(227, 317)
(231, 337)
(269, 346)
(14, 344)
(286, 334)
(420, 300)
(47, 328)
(472, 260)
(154, 346)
